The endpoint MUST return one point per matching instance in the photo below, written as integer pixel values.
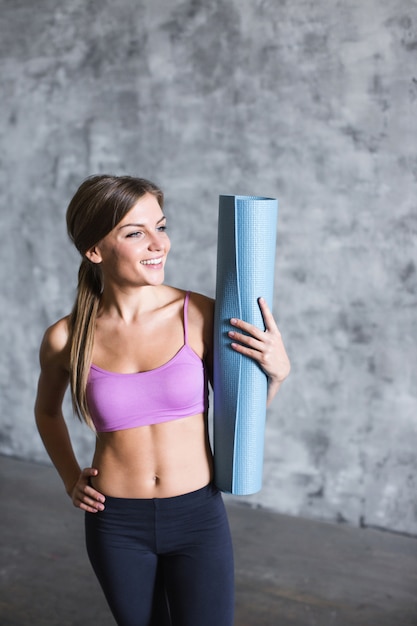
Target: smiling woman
(139, 240)
(138, 357)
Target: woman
(137, 355)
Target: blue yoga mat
(246, 248)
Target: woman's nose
(156, 242)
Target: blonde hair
(98, 205)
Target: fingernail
(233, 320)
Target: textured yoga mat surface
(245, 271)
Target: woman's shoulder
(55, 343)
(200, 306)
(197, 302)
(201, 301)
(201, 315)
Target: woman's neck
(129, 304)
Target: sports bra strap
(186, 299)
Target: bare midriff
(156, 461)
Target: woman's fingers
(88, 504)
(264, 347)
(269, 321)
(84, 496)
(268, 318)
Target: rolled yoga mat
(245, 272)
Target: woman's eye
(162, 229)
(137, 233)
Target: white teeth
(152, 261)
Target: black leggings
(164, 561)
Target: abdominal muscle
(156, 461)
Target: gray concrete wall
(311, 102)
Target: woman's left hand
(265, 347)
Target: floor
(289, 571)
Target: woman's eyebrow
(135, 225)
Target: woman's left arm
(265, 347)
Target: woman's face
(134, 252)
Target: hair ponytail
(82, 325)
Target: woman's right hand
(84, 496)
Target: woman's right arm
(53, 383)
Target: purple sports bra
(174, 390)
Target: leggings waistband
(172, 502)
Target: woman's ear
(93, 255)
